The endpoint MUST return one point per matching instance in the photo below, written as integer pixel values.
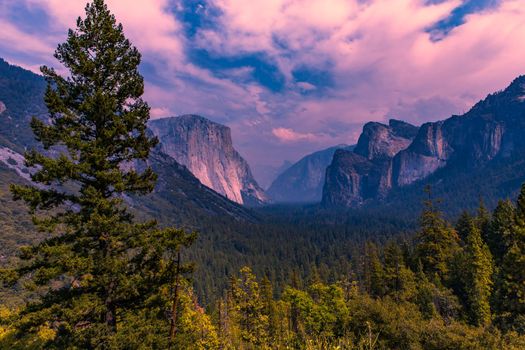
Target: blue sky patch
(150, 71)
(263, 70)
(319, 78)
(31, 19)
(457, 16)
(197, 15)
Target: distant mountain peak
(400, 154)
(195, 118)
(512, 94)
(206, 149)
(379, 140)
(303, 181)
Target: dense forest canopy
(93, 273)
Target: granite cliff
(385, 159)
(206, 149)
(365, 173)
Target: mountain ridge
(490, 132)
(303, 181)
(206, 149)
(21, 93)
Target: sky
(295, 76)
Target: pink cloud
(379, 53)
(289, 135)
(147, 22)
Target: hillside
(479, 153)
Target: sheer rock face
(400, 154)
(303, 181)
(206, 149)
(366, 172)
(179, 197)
(350, 179)
(380, 141)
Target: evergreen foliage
(478, 270)
(99, 268)
(97, 279)
(500, 228)
(437, 241)
(511, 281)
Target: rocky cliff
(206, 149)
(303, 181)
(364, 173)
(380, 141)
(179, 197)
(385, 159)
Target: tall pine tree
(477, 273)
(436, 242)
(248, 308)
(511, 280)
(500, 228)
(463, 226)
(373, 273)
(99, 265)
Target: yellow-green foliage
(340, 316)
(31, 341)
(196, 331)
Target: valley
(147, 200)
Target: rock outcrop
(206, 149)
(179, 197)
(380, 141)
(399, 155)
(303, 181)
(364, 173)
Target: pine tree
(399, 281)
(436, 242)
(463, 226)
(424, 294)
(99, 265)
(500, 228)
(483, 220)
(269, 308)
(374, 277)
(511, 294)
(249, 308)
(478, 271)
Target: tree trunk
(174, 313)
(111, 309)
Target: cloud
(159, 112)
(289, 135)
(292, 76)
(380, 55)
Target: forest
(93, 273)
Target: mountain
(484, 146)
(178, 195)
(303, 181)
(355, 176)
(21, 97)
(206, 149)
(265, 174)
(380, 141)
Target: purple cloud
(338, 63)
